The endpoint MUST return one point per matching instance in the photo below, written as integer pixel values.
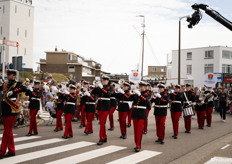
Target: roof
(203, 47)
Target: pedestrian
(148, 94)
(223, 104)
(113, 106)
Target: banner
(135, 77)
(210, 80)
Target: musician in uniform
(104, 92)
(148, 93)
(140, 99)
(113, 106)
(69, 110)
(34, 107)
(190, 95)
(176, 100)
(210, 94)
(59, 110)
(124, 98)
(89, 98)
(82, 104)
(201, 108)
(10, 109)
(130, 112)
(161, 104)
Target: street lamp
(143, 34)
(179, 49)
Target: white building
(16, 24)
(196, 62)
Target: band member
(161, 104)
(59, 111)
(148, 93)
(191, 98)
(10, 109)
(113, 105)
(201, 107)
(104, 92)
(176, 100)
(124, 98)
(89, 98)
(140, 99)
(34, 107)
(130, 112)
(210, 94)
(69, 110)
(82, 104)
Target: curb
(198, 155)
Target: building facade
(70, 63)
(196, 62)
(157, 71)
(16, 24)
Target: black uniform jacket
(140, 104)
(16, 87)
(104, 95)
(90, 103)
(200, 106)
(123, 101)
(210, 103)
(70, 103)
(35, 96)
(60, 101)
(160, 108)
(113, 101)
(176, 100)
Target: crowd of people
(85, 101)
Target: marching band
(104, 98)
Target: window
(15, 8)
(17, 31)
(25, 33)
(71, 69)
(25, 51)
(226, 54)
(153, 69)
(226, 68)
(163, 69)
(69, 57)
(189, 69)
(208, 68)
(209, 54)
(189, 55)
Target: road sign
(12, 43)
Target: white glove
(121, 91)
(56, 97)
(66, 92)
(202, 102)
(9, 93)
(87, 94)
(200, 99)
(100, 85)
(158, 95)
(30, 88)
(194, 103)
(137, 93)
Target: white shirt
(46, 88)
(50, 106)
(54, 90)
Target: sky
(109, 32)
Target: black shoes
(111, 128)
(100, 143)
(187, 131)
(209, 125)
(70, 136)
(29, 134)
(81, 126)
(129, 125)
(9, 155)
(201, 128)
(35, 133)
(175, 137)
(86, 132)
(105, 140)
(137, 149)
(56, 130)
(1, 156)
(123, 136)
(159, 141)
(64, 137)
(144, 132)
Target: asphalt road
(198, 147)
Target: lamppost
(143, 36)
(179, 49)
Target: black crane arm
(196, 17)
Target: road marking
(46, 152)
(219, 160)
(2, 135)
(88, 155)
(26, 138)
(39, 143)
(136, 158)
(225, 146)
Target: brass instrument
(202, 96)
(121, 82)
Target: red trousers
(111, 116)
(201, 118)
(68, 124)
(33, 123)
(138, 131)
(122, 122)
(7, 138)
(209, 115)
(129, 116)
(160, 126)
(146, 121)
(102, 117)
(187, 122)
(59, 119)
(78, 111)
(175, 121)
(83, 117)
(89, 126)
